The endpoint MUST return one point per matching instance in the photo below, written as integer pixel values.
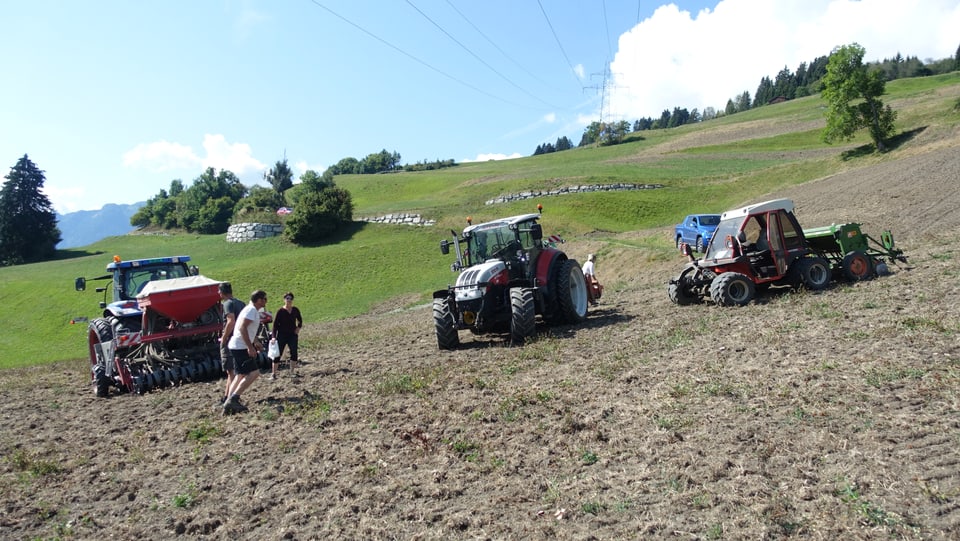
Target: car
(696, 230)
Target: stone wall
(250, 231)
(401, 219)
(586, 188)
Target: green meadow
(369, 266)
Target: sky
(114, 99)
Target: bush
(318, 214)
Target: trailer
(852, 253)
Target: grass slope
(708, 167)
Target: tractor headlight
(469, 318)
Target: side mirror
(194, 270)
(536, 231)
(444, 247)
(80, 284)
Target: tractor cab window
(755, 231)
(791, 236)
(527, 242)
(718, 248)
(135, 279)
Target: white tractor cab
(756, 245)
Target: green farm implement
(851, 252)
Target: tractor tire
(700, 246)
(857, 266)
(100, 332)
(680, 294)
(732, 289)
(571, 291)
(814, 273)
(448, 337)
(523, 315)
(680, 291)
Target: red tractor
(508, 274)
(753, 247)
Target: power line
(482, 61)
(606, 27)
(412, 57)
(497, 47)
(573, 71)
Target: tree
(28, 224)
(280, 177)
(853, 98)
(318, 214)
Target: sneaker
(273, 376)
(233, 405)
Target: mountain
(88, 226)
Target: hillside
(804, 415)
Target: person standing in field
(594, 289)
(286, 328)
(244, 347)
(231, 311)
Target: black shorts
(243, 362)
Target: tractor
(508, 274)
(161, 327)
(756, 246)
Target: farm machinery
(161, 328)
(763, 245)
(508, 274)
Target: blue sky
(114, 99)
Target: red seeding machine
(161, 328)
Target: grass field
(367, 266)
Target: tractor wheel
(680, 291)
(447, 335)
(523, 315)
(571, 291)
(857, 266)
(732, 289)
(814, 273)
(100, 332)
(700, 246)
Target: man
(244, 348)
(231, 311)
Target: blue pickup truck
(697, 230)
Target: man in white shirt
(244, 348)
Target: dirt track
(815, 416)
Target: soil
(824, 415)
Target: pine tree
(28, 224)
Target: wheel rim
(858, 266)
(738, 291)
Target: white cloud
(163, 156)
(579, 71)
(235, 157)
(678, 59)
(493, 156)
(550, 118)
(65, 200)
(302, 167)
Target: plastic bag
(273, 351)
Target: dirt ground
(804, 415)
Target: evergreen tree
(280, 177)
(28, 224)
(956, 59)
